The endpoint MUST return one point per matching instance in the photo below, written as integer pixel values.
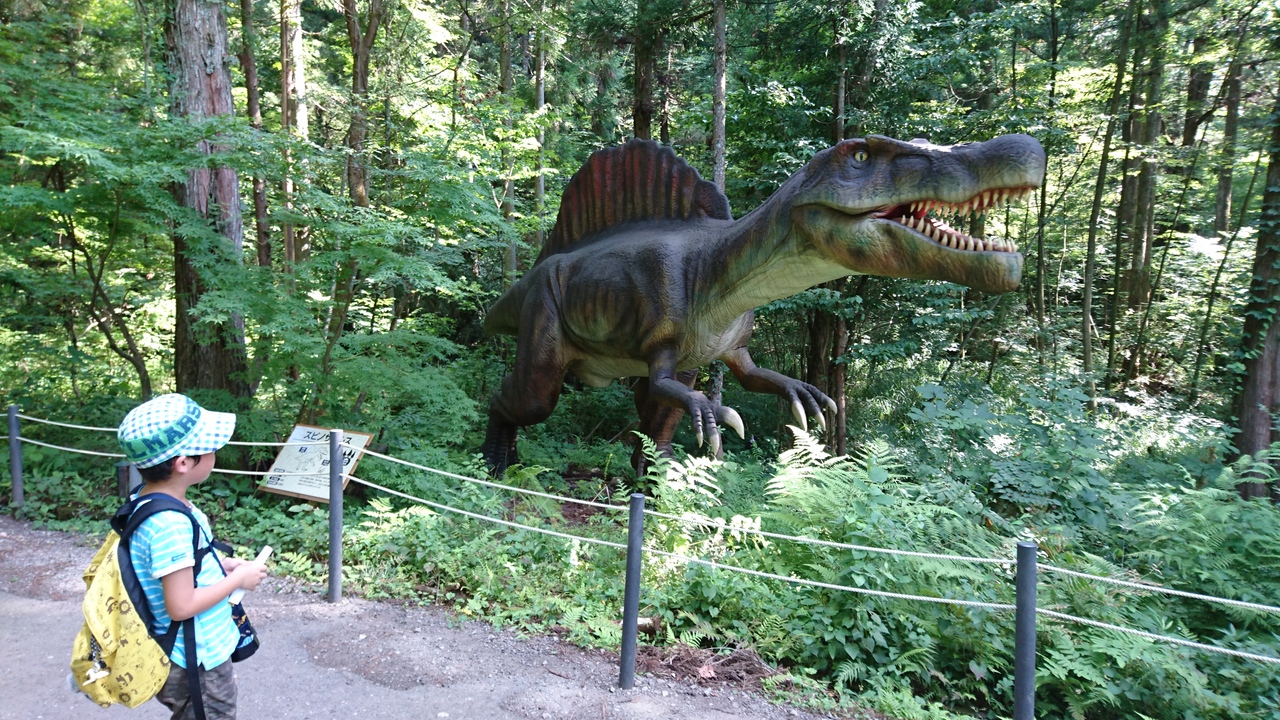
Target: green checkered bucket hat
(170, 426)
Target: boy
(172, 441)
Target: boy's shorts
(219, 686)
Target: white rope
(828, 543)
(486, 518)
(1159, 589)
(314, 443)
(69, 449)
(691, 521)
(1158, 638)
(66, 425)
(112, 430)
(831, 586)
(487, 483)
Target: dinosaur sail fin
(641, 180)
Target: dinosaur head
(878, 206)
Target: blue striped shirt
(162, 545)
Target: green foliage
(966, 417)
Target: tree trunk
(540, 101)
(361, 48)
(211, 357)
(505, 83)
(1198, 81)
(602, 120)
(1226, 166)
(248, 63)
(1144, 215)
(1042, 210)
(1091, 252)
(286, 92)
(664, 108)
(718, 97)
(646, 48)
(1259, 396)
(1132, 135)
(842, 59)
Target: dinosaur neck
(761, 258)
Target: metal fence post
(1024, 654)
(127, 478)
(335, 515)
(15, 456)
(122, 479)
(631, 593)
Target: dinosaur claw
(798, 410)
(715, 444)
(832, 404)
(698, 435)
(822, 421)
(731, 418)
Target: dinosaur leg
(667, 388)
(657, 421)
(531, 391)
(806, 400)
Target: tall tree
(1227, 157)
(718, 96)
(1091, 251)
(211, 356)
(505, 83)
(248, 63)
(1258, 399)
(1198, 80)
(362, 40)
(540, 102)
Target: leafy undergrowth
(1112, 495)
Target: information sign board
(290, 473)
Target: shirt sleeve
(170, 539)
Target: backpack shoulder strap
(126, 522)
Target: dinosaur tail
(504, 317)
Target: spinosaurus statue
(647, 275)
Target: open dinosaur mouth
(928, 217)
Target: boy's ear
(183, 464)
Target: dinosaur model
(647, 275)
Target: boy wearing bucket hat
(172, 440)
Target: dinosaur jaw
(928, 218)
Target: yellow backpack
(115, 660)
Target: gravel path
(351, 659)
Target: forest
(300, 210)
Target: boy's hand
(248, 574)
(229, 564)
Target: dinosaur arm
(805, 399)
(707, 416)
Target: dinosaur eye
(860, 156)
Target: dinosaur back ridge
(641, 180)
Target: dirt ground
(352, 659)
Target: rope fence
(69, 449)
(42, 421)
(1147, 587)
(1026, 563)
(1158, 638)
(486, 518)
(703, 522)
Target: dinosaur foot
(499, 448)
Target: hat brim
(213, 430)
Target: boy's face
(194, 469)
